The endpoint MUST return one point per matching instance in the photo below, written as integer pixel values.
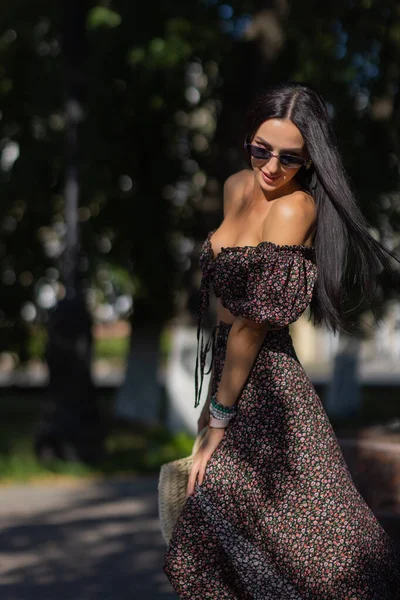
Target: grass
(103, 348)
(129, 450)
(115, 347)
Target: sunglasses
(287, 160)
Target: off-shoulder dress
(278, 516)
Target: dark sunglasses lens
(257, 152)
(291, 161)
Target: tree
(71, 427)
(167, 85)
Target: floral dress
(278, 516)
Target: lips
(270, 178)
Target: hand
(207, 448)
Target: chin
(273, 185)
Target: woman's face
(279, 136)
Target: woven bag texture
(172, 485)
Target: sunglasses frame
(304, 161)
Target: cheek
(290, 174)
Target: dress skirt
(278, 516)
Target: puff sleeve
(272, 285)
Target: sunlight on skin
(272, 180)
(279, 136)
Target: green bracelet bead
(228, 410)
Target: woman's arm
(224, 315)
(289, 222)
(232, 197)
(244, 342)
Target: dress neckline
(259, 245)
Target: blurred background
(119, 123)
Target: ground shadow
(98, 542)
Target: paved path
(88, 541)
(85, 541)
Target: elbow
(256, 330)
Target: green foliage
(131, 450)
(127, 450)
(111, 348)
(100, 16)
(22, 466)
(104, 348)
(37, 342)
(165, 52)
(166, 88)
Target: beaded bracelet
(221, 407)
(218, 414)
(219, 411)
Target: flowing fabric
(278, 516)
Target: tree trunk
(70, 426)
(139, 398)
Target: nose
(273, 164)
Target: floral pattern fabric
(278, 516)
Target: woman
(272, 511)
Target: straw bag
(172, 486)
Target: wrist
(224, 409)
(220, 415)
(223, 399)
(216, 432)
(214, 423)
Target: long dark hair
(348, 258)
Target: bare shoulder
(235, 189)
(296, 205)
(291, 219)
(239, 178)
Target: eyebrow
(260, 139)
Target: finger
(200, 477)
(192, 480)
(191, 483)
